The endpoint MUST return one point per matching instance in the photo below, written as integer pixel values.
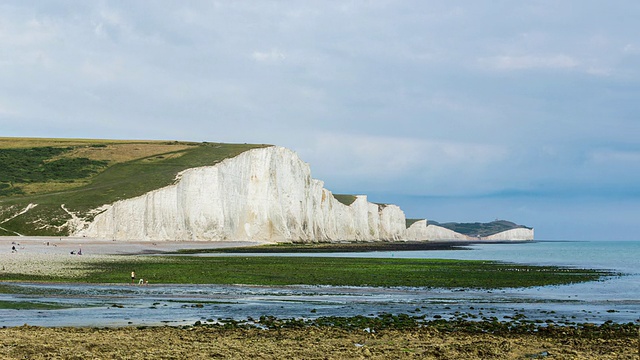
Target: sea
(613, 299)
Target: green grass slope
(85, 174)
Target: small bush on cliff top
(345, 199)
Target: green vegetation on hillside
(92, 174)
(410, 222)
(269, 270)
(480, 229)
(40, 164)
(345, 199)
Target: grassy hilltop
(85, 174)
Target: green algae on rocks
(270, 270)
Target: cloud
(273, 55)
(599, 71)
(615, 157)
(32, 32)
(405, 164)
(526, 62)
(109, 23)
(631, 49)
(5, 111)
(102, 71)
(416, 97)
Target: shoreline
(36, 256)
(356, 246)
(94, 246)
(43, 255)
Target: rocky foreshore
(200, 342)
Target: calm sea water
(623, 256)
(614, 299)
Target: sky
(454, 110)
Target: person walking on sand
(133, 277)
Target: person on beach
(133, 277)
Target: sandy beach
(64, 245)
(56, 255)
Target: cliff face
(261, 195)
(422, 231)
(264, 194)
(513, 234)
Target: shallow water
(616, 299)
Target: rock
(421, 230)
(513, 234)
(263, 194)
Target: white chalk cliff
(422, 230)
(512, 234)
(264, 194)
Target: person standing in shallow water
(133, 277)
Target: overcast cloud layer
(456, 111)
